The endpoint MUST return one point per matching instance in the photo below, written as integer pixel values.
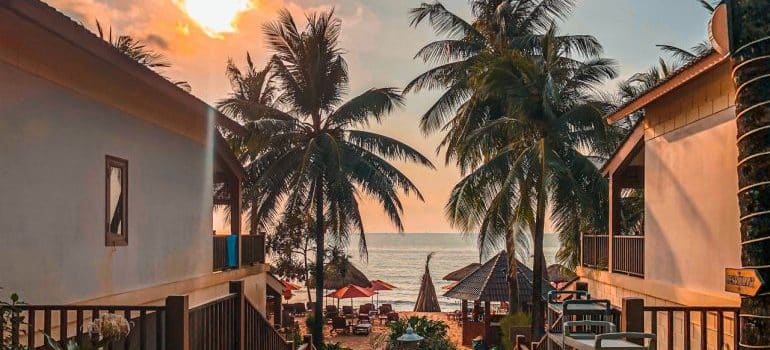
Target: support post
(581, 286)
(632, 316)
(464, 315)
(177, 323)
(235, 214)
(236, 287)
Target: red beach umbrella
(380, 285)
(351, 291)
(290, 286)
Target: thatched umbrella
(427, 301)
(461, 273)
(341, 274)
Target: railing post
(581, 286)
(240, 319)
(261, 248)
(177, 324)
(632, 316)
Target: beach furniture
(393, 316)
(332, 311)
(362, 328)
(608, 338)
(299, 309)
(364, 309)
(347, 311)
(339, 324)
(559, 313)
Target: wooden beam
(177, 322)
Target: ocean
(399, 259)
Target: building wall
(53, 143)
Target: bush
(335, 346)
(434, 332)
(519, 319)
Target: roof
(341, 274)
(490, 282)
(63, 28)
(461, 273)
(676, 79)
(59, 24)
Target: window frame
(113, 239)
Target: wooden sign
(743, 281)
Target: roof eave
(678, 79)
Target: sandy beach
(361, 342)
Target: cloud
(156, 40)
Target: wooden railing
(64, 323)
(252, 249)
(220, 252)
(260, 334)
(628, 255)
(694, 323)
(596, 251)
(213, 325)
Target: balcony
(596, 251)
(628, 255)
(234, 251)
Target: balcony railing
(252, 249)
(221, 256)
(596, 251)
(628, 255)
(694, 327)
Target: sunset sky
(198, 36)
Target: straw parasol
(341, 274)
(427, 301)
(351, 291)
(461, 273)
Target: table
(362, 328)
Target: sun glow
(215, 17)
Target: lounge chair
(339, 325)
(347, 311)
(393, 316)
(331, 311)
(299, 309)
(310, 307)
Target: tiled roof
(490, 282)
(461, 273)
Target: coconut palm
(684, 56)
(552, 127)
(139, 52)
(497, 26)
(313, 154)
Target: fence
(693, 329)
(595, 251)
(220, 252)
(64, 323)
(252, 249)
(628, 255)
(259, 334)
(214, 325)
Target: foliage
(292, 244)
(310, 320)
(519, 319)
(434, 332)
(12, 323)
(308, 150)
(333, 346)
(103, 332)
(139, 52)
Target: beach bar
(488, 284)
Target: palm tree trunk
(253, 219)
(513, 283)
(317, 330)
(748, 26)
(538, 315)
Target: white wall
(691, 219)
(52, 149)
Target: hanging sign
(744, 281)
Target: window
(116, 204)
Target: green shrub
(334, 346)
(519, 319)
(434, 332)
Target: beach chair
(585, 340)
(339, 325)
(287, 321)
(310, 307)
(364, 309)
(331, 311)
(347, 311)
(392, 317)
(299, 309)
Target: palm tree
(748, 29)
(498, 26)
(312, 153)
(684, 56)
(552, 126)
(139, 52)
